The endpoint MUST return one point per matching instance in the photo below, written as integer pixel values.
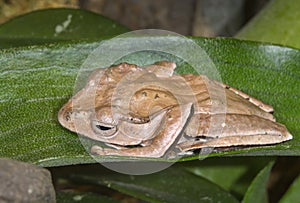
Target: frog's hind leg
(233, 141)
(265, 107)
(239, 130)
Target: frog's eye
(103, 129)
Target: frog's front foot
(132, 152)
(101, 151)
(97, 150)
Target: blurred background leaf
(234, 174)
(257, 191)
(82, 197)
(55, 25)
(174, 184)
(277, 23)
(292, 195)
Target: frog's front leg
(176, 121)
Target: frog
(148, 111)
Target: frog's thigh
(173, 128)
(244, 125)
(224, 125)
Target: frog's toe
(96, 150)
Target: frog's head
(91, 111)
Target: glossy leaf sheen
(55, 25)
(37, 81)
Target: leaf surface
(292, 194)
(37, 81)
(257, 191)
(70, 197)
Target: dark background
(187, 17)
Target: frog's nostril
(68, 116)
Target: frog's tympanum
(146, 111)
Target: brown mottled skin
(126, 105)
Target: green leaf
(37, 81)
(234, 174)
(55, 25)
(71, 197)
(257, 191)
(277, 23)
(171, 185)
(292, 195)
